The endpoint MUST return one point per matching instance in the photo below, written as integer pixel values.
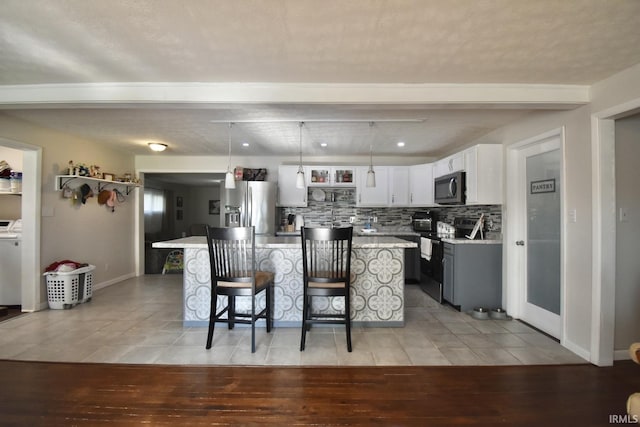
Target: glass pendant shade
(371, 177)
(229, 180)
(300, 178)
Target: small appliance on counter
(446, 230)
(424, 221)
(299, 222)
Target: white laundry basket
(66, 289)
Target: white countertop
(369, 242)
(359, 231)
(465, 241)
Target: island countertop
(377, 289)
(291, 242)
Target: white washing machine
(10, 262)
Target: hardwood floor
(46, 393)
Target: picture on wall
(179, 215)
(214, 207)
(179, 201)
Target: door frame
(514, 216)
(31, 277)
(603, 252)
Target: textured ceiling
(570, 42)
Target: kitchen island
(377, 289)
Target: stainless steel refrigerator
(251, 203)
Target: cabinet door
(399, 186)
(288, 194)
(483, 166)
(343, 176)
(471, 175)
(372, 196)
(421, 185)
(447, 278)
(449, 165)
(318, 176)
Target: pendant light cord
(300, 164)
(229, 158)
(370, 147)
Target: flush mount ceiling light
(229, 179)
(371, 175)
(156, 146)
(300, 174)
(400, 144)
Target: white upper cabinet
(398, 186)
(372, 196)
(288, 194)
(483, 166)
(421, 185)
(331, 176)
(450, 164)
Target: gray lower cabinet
(472, 275)
(411, 260)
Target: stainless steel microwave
(450, 189)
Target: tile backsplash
(340, 205)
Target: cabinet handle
(411, 198)
(520, 242)
(393, 198)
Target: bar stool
(326, 261)
(232, 257)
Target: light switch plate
(623, 214)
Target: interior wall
(578, 238)
(88, 233)
(627, 282)
(199, 198)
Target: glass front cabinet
(331, 176)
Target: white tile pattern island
(377, 291)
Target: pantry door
(538, 237)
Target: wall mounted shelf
(63, 180)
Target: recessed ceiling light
(156, 146)
(400, 144)
(245, 144)
(323, 144)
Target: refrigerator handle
(250, 208)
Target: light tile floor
(139, 321)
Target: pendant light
(371, 175)
(300, 174)
(229, 179)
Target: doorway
(535, 261)
(30, 210)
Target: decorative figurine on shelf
(71, 168)
(94, 170)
